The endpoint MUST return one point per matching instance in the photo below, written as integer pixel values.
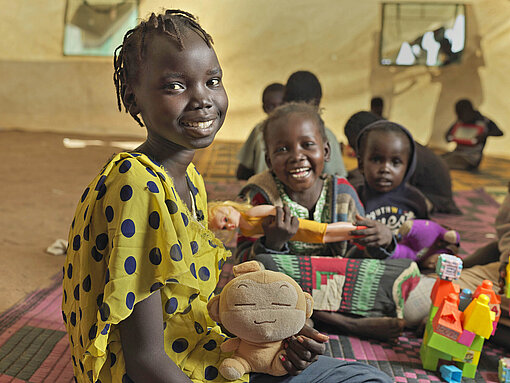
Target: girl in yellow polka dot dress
(142, 264)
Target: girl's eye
(308, 144)
(174, 86)
(214, 82)
(225, 219)
(281, 149)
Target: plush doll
(422, 239)
(261, 308)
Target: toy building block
(486, 288)
(448, 267)
(504, 370)
(466, 338)
(478, 317)
(442, 288)
(451, 373)
(507, 281)
(465, 298)
(447, 320)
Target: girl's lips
(198, 124)
(199, 129)
(299, 173)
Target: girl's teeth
(299, 173)
(200, 125)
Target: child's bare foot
(383, 328)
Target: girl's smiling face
(296, 152)
(179, 93)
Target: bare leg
(384, 328)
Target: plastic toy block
(451, 373)
(447, 321)
(487, 289)
(441, 290)
(478, 317)
(471, 357)
(465, 298)
(448, 267)
(466, 338)
(507, 281)
(477, 344)
(446, 345)
(468, 370)
(430, 357)
(504, 370)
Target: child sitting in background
(387, 159)
(251, 156)
(437, 188)
(295, 184)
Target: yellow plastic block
(478, 317)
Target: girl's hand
(280, 228)
(376, 234)
(303, 349)
(502, 277)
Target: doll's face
(261, 311)
(225, 218)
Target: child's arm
(141, 335)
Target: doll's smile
(265, 321)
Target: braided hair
(128, 56)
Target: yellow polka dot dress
(132, 235)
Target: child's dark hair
(128, 56)
(284, 110)
(356, 123)
(376, 102)
(274, 87)
(381, 126)
(303, 86)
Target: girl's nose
(200, 98)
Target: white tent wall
(259, 42)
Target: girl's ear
(327, 151)
(268, 161)
(129, 100)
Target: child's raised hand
(376, 233)
(280, 228)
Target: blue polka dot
(152, 187)
(130, 300)
(194, 247)
(84, 195)
(96, 254)
(107, 276)
(172, 280)
(102, 241)
(87, 283)
(86, 233)
(135, 154)
(99, 300)
(105, 329)
(126, 193)
(100, 182)
(162, 176)
(127, 228)
(72, 319)
(198, 328)
(171, 206)
(130, 265)
(101, 193)
(85, 214)
(104, 311)
(125, 166)
(171, 305)
(184, 219)
(193, 270)
(154, 220)
(175, 252)
(179, 345)
(155, 256)
(76, 292)
(65, 296)
(93, 331)
(212, 244)
(76, 242)
(151, 172)
(113, 359)
(156, 286)
(108, 212)
(64, 317)
(211, 345)
(210, 373)
(204, 273)
(70, 271)
(186, 310)
(192, 298)
(221, 262)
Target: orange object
(447, 321)
(441, 290)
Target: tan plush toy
(261, 308)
